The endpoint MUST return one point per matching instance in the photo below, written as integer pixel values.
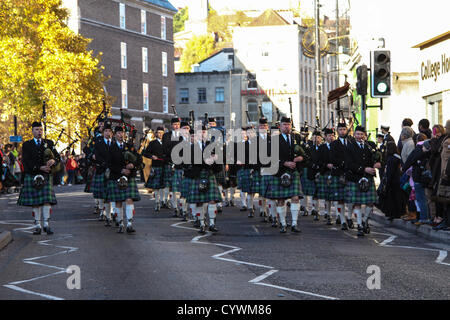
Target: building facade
(135, 38)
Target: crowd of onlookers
(73, 169)
(415, 185)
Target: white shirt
(37, 140)
(107, 141)
(120, 145)
(343, 141)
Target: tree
(43, 60)
(197, 49)
(179, 19)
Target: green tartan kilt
(256, 182)
(275, 190)
(213, 193)
(99, 186)
(185, 183)
(29, 196)
(114, 194)
(308, 186)
(156, 182)
(355, 196)
(332, 192)
(244, 180)
(177, 177)
(167, 175)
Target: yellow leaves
(42, 59)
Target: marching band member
(309, 186)
(167, 168)
(259, 182)
(360, 175)
(39, 157)
(122, 186)
(243, 169)
(155, 151)
(286, 183)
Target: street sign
(15, 139)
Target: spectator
(61, 174)
(405, 123)
(406, 137)
(71, 166)
(424, 127)
(418, 160)
(393, 199)
(436, 208)
(443, 186)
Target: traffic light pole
(363, 110)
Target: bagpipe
(49, 154)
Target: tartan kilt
(213, 193)
(332, 192)
(355, 196)
(115, 194)
(29, 196)
(308, 186)
(185, 183)
(256, 182)
(177, 177)
(275, 190)
(157, 182)
(243, 180)
(167, 175)
(98, 186)
(220, 178)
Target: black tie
(108, 143)
(288, 140)
(39, 142)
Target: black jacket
(117, 161)
(102, 155)
(155, 148)
(358, 160)
(192, 170)
(288, 152)
(418, 160)
(325, 157)
(339, 156)
(168, 145)
(33, 156)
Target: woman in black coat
(393, 201)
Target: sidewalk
(425, 231)
(5, 238)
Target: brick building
(136, 39)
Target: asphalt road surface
(247, 259)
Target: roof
(225, 50)
(433, 41)
(162, 3)
(269, 18)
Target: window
(144, 60)
(252, 108)
(220, 94)
(164, 64)
(122, 15)
(143, 22)
(184, 95)
(145, 96)
(165, 99)
(163, 28)
(124, 94)
(123, 55)
(201, 94)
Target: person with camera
(39, 158)
(361, 171)
(122, 185)
(421, 175)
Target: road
(246, 259)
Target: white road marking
(32, 261)
(256, 230)
(258, 279)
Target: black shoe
(202, 230)
(244, 208)
(295, 230)
(120, 229)
(350, 223)
(117, 224)
(366, 227)
(48, 230)
(175, 213)
(108, 223)
(283, 230)
(360, 231)
(344, 226)
(37, 231)
(329, 221)
(252, 213)
(338, 220)
(130, 229)
(213, 228)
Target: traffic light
(361, 84)
(380, 74)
